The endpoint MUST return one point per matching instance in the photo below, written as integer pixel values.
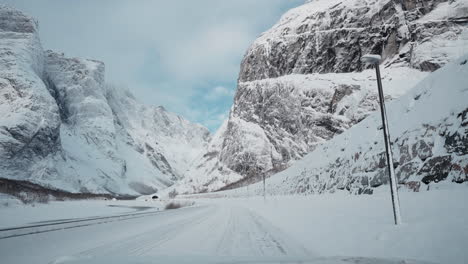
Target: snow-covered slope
(170, 142)
(300, 83)
(63, 126)
(207, 172)
(429, 132)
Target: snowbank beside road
(434, 223)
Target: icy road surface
(208, 229)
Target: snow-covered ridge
(429, 133)
(331, 35)
(62, 126)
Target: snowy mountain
(62, 126)
(301, 83)
(207, 172)
(429, 132)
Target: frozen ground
(251, 230)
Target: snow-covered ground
(21, 215)
(250, 230)
(434, 226)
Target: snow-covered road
(223, 229)
(208, 229)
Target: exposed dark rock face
(314, 40)
(422, 150)
(403, 173)
(436, 169)
(459, 171)
(457, 142)
(379, 179)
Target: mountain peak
(13, 20)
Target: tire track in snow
(248, 234)
(221, 230)
(170, 234)
(146, 242)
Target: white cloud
(214, 119)
(218, 92)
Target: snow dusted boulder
(30, 120)
(429, 132)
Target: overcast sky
(182, 54)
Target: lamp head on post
(371, 59)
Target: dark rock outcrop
(310, 39)
(436, 169)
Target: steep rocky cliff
(429, 132)
(300, 83)
(331, 36)
(30, 120)
(62, 126)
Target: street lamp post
(264, 187)
(375, 61)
